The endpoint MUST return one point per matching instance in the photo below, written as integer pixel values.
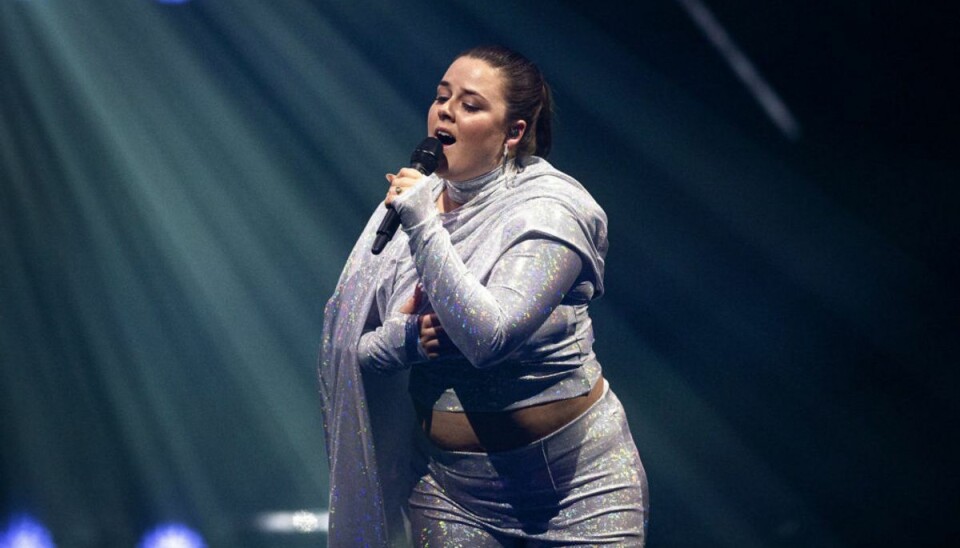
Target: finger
(410, 306)
(429, 320)
(428, 333)
(410, 173)
(414, 303)
(434, 335)
(430, 345)
(431, 349)
(436, 347)
(418, 294)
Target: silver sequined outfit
(510, 275)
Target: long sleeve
(391, 339)
(486, 323)
(392, 346)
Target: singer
(463, 404)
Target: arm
(486, 323)
(390, 331)
(392, 346)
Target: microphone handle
(391, 222)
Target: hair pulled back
(527, 95)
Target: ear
(515, 133)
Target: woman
(479, 309)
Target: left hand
(403, 181)
(433, 338)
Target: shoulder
(542, 189)
(545, 202)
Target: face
(469, 118)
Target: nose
(444, 112)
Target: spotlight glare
(302, 521)
(172, 536)
(26, 532)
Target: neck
(463, 191)
(445, 203)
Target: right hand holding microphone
(403, 181)
(425, 159)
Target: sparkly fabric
(583, 485)
(510, 288)
(463, 192)
(367, 418)
(362, 511)
(533, 350)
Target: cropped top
(511, 289)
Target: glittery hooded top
(509, 275)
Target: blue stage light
(172, 536)
(26, 532)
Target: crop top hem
(574, 383)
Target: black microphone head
(426, 157)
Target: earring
(509, 172)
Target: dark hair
(527, 94)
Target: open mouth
(445, 138)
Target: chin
(443, 169)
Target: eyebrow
(466, 91)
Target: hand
(414, 302)
(433, 339)
(401, 182)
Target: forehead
(476, 75)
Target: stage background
(181, 183)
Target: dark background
(181, 185)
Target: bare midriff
(502, 430)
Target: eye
(470, 108)
(440, 99)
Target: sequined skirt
(583, 484)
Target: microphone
(425, 159)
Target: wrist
(416, 206)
